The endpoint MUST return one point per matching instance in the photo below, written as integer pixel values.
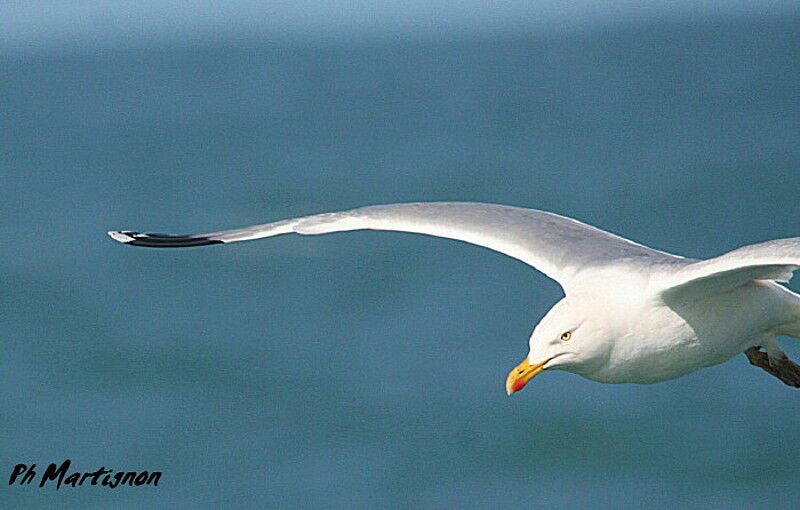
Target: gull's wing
(557, 246)
(772, 260)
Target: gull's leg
(776, 363)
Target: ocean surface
(366, 369)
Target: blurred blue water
(366, 369)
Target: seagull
(630, 314)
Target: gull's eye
(566, 336)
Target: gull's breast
(663, 348)
(660, 342)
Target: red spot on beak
(518, 385)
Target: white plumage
(630, 313)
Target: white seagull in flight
(630, 314)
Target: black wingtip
(160, 240)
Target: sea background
(366, 369)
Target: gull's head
(567, 338)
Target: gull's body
(630, 313)
(656, 342)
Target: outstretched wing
(557, 246)
(772, 260)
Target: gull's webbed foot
(783, 368)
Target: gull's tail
(792, 328)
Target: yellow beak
(522, 373)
